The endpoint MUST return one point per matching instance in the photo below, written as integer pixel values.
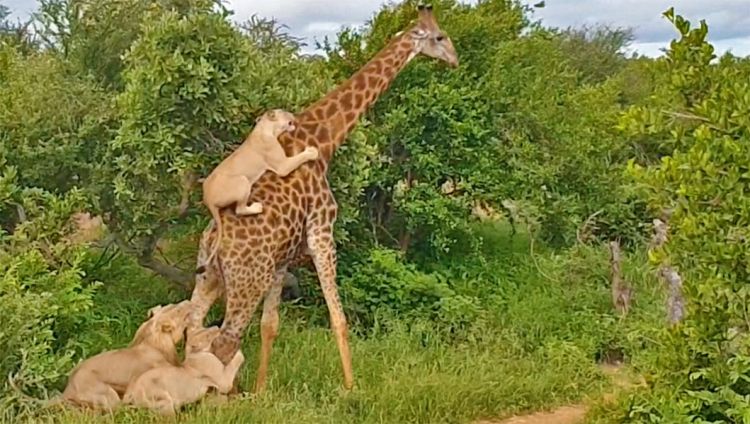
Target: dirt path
(575, 414)
(572, 414)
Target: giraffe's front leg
(323, 251)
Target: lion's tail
(44, 403)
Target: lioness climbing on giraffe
(232, 180)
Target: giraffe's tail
(217, 241)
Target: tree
(193, 85)
(15, 34)
(526, 117)
(701, 114)
(93, 35)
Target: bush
(385, 283)
(44, 295)
(44, 311)
(48, 112)
(703, 115)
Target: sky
(728, 20)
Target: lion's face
(278, 121)
(165, 322)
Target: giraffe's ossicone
(299, 210)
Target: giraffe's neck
(340, 110)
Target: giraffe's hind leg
(208, 284)
(208, 288)
(323, 249)
(269, 329)
(245, 285)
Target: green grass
(405, 375)
(544, 324)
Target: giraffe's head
(278, 121)
(430, 40)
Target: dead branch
(588, 226)
(692, 117)
(670, 276)
(188, 182)
(675, 300)
(621, 290)
(21, 214)
(660, 234)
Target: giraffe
(300, 211)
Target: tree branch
(174, 275)
(145, 258)
(693, 117)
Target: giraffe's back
(288, 204)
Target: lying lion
(167, 388)
(98, 382)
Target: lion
(98, 382)
(167, 388)
(231, 182)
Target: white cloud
(728, 20)
(738, 46)
(648, 49)
(322, 27)
(20, 8)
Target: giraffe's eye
(440, 38)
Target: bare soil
(575, 413)
(572, 414)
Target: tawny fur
(231, 182)
(166, 389)
(98, 382)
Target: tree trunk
(675, 299)
(145, 258)
(174, 275)
(621, 290)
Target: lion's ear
(153, 311)
(167, 327)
